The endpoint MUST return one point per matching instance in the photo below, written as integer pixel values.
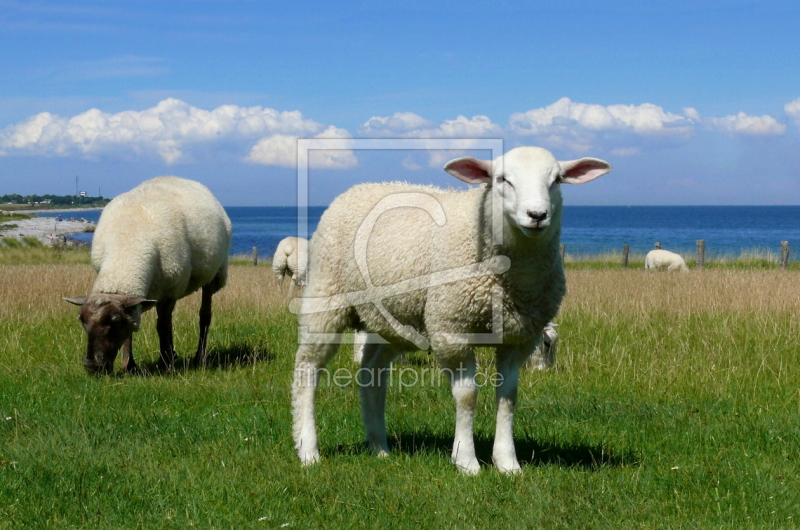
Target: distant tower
(76, 185)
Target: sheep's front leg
(205, 323)
(309, 360)
(508, 362)
(128, 364)
(164, 327)
(372, 382)
(460, 369)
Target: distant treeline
(59, 200)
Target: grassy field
(676, 403)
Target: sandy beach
(43, 227)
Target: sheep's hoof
(379, 450)
(165, 366)
(198, 361)
(309, 459)
(508, 468)
(468, 468)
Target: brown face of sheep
(109, 320)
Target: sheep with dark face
(433, 257)
(154, 245)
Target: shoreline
(46, 229)
(57, 210)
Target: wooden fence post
(255, 255)
(563, 251)
(625, 249)
(658, 245)
(784, 254)
(701, 253)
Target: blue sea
(587, 230)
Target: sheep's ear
(470, 170)
(583, 170)
(132, 302)
(77, 300)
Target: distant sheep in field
(286, 262)
(435, 259)
(544, 355)
(154, 245)
(664, 260)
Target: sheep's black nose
(537, 216)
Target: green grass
(681, 415)
(30, 251)
(14, 216)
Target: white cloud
(749, 125)
(400, 122)
(170, 130)
(566, 117)
(626, 151)
(792, 110)
(410, 125)
(462, 127)
(281, 150)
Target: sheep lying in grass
(285, 262)
(424, 268)
(664, 260)
(153, 245)
(544, 356)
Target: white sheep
(544, 355)
(291, 259)
(424, 267)
(153, 245)
(664, 260)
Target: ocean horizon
(586, 230)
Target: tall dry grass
(713, 291)
(36, 292)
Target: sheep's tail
(280, 263)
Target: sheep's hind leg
(508, 362)
(205, 323)
(460, 369)
(372, 382)
(164, 327)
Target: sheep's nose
(537, 216)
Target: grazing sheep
(664, 260)
(153, 245)
(544, 355)
(285, 261)
(424, 268)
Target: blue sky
(691, 102)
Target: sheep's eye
(502, 179)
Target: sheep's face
(527, 182)
(109, 320)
